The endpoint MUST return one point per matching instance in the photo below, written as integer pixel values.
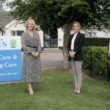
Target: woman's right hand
(71, 54)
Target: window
(13, 33)
(19, 33)
(16, 33)
(49, 42)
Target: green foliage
(99, 13)
(97, 41)
(51, 14)
(95, 58)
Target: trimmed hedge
(97, 41)
(95, 60)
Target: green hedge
(95, 59)
(97, 41)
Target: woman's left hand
(35, 54)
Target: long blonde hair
(32, 21)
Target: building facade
(15, 28)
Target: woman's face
(76, 28)
(30, 25)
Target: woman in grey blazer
(75, 44)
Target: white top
(73, 40)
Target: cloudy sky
(4, 5)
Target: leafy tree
(51, 14)
(99, 13)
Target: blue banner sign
(10, 59)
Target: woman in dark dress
(75, 44)
(31, 46)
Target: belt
(32, 46)
(36, 47)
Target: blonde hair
(32, 21)
(76, 22)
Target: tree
(51, 14)
(99, 13)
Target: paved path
(52, 58)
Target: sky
(5, 7)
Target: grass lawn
(55, 93)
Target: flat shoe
(31, 92)
(75, 91)
(78, 92)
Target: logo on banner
(12, 43)
(3, 43)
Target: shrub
(95, 59)
(97, 41)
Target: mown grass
(55, 92)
